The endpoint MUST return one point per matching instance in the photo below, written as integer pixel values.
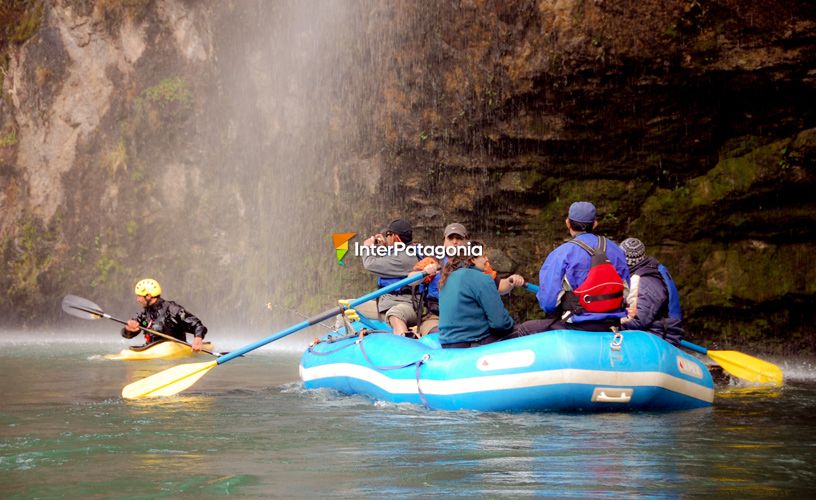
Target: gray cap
(634, 249)
(456, 228)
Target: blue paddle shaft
(320, 317)
(693, 347)
(533, 288)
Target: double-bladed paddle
(180, 377)
(85, 309)
(736, 363)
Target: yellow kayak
(159, 350)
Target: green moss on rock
(169, 90)
(684, 212)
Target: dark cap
(456, 228)
(582, 211)
(402, 228)
(634, 249)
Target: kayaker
(455, 235)
(393, 266)
(570, 269)
(653, 301)
(471, 312)
(163, 316)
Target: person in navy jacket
(651, 307)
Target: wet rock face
(685, 122)
(688, 123)
(589, 89)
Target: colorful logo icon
(341, 245)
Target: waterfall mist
(282, 110)
(230, 147)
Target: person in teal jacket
(471, 312)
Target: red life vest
(602, 290)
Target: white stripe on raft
(509, 381)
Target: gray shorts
(429, 322)
(404, 311)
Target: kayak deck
(159, 350)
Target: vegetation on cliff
(207, 145)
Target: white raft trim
(509, 381)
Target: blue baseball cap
(582, 211)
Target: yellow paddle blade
(168, 382)
(748, 367)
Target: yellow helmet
(148, 287)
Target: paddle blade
(168, 382)
(748, 367)
(81, 308)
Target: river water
(248, 429)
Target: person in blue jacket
(566, 268)
(471, 312)
(653, 303)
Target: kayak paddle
(85, 309)
(180, 377)
(735, 363)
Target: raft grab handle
(611, 395)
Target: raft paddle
(180, 377)
(85, 309)
(736, 363)
(742, 365)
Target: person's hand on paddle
(506, 285)
(516, 280)
(132, 325)
(197, 343)
(428, 266)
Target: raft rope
(350, 315)
(418, 363)
(360, 337)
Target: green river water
(248, 429)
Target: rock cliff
(215, 145)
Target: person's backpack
(674, 296)
(602, 290)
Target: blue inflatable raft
(562, 370)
